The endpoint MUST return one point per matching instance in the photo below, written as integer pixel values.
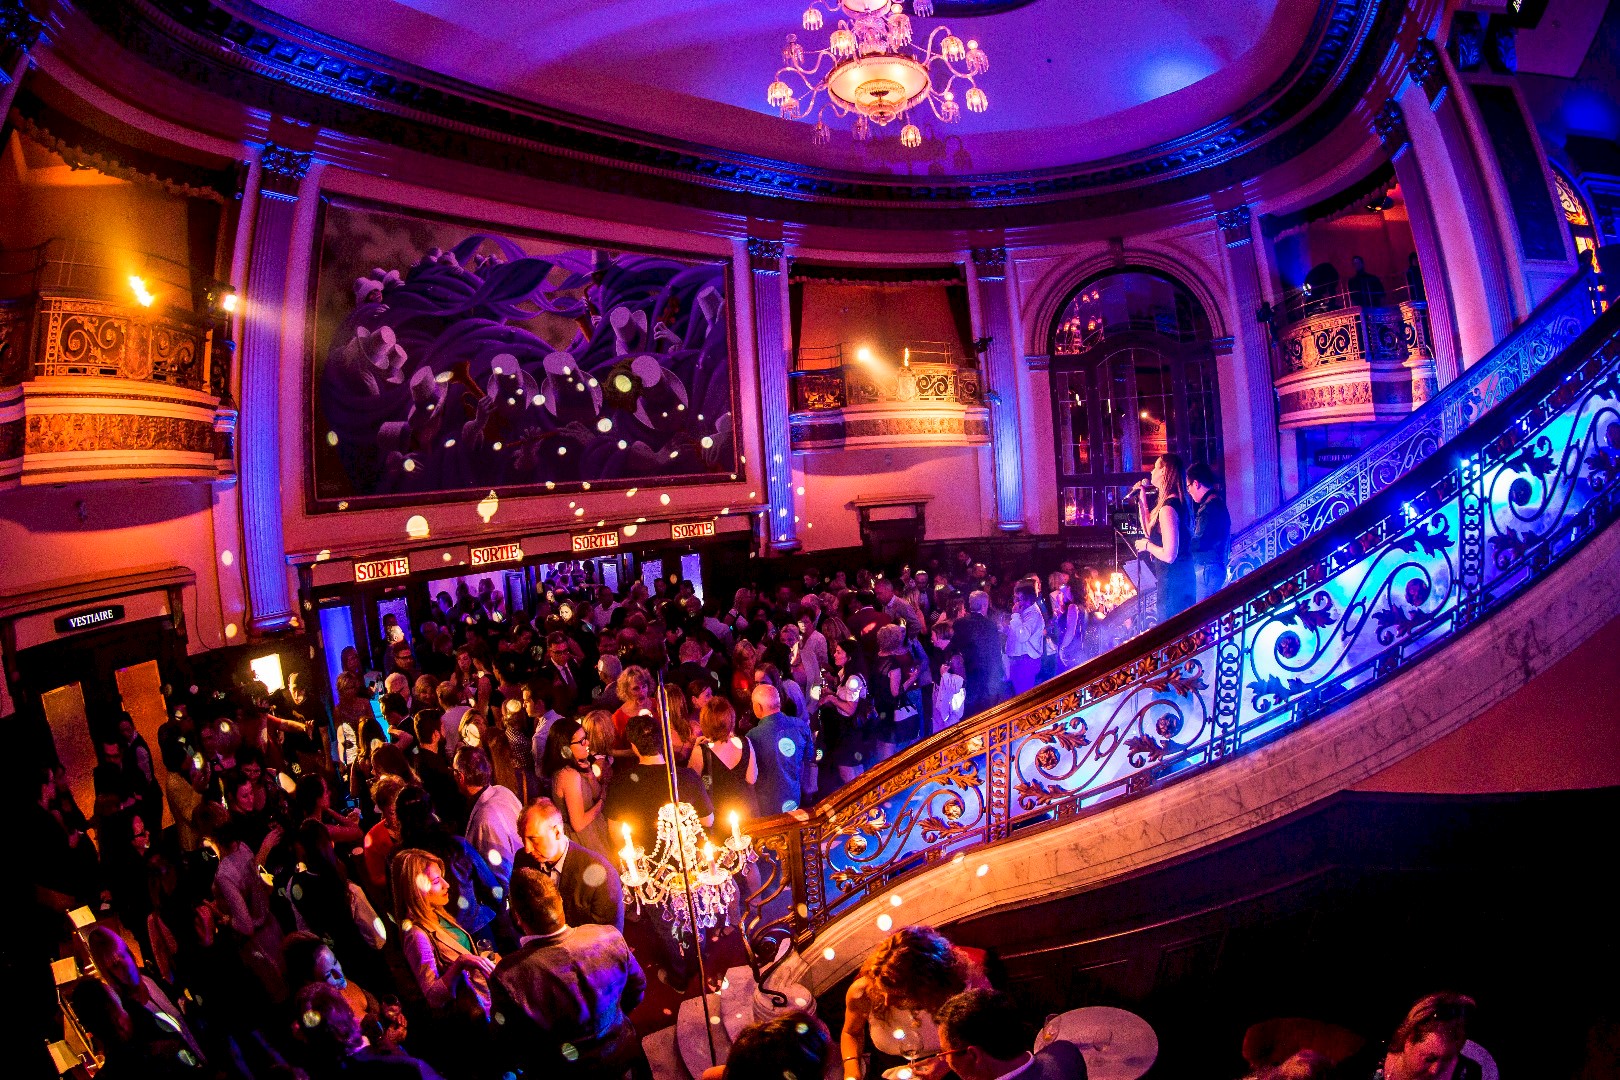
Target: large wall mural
(450, 359)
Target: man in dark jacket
(1211, 529)
(559, 1003)
(982, 1036)
(979, 641)
(590, 887)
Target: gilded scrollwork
(1462, 533)
(1459, 404)
(99, 338)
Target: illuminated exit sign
(378, 569)
(596, 541)
(497, 553)
(691, 530)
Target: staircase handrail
(1552, 325)
(1495, 510)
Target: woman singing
(1167, 547)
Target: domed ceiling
(1070, 81)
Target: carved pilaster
(765, 261)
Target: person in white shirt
(950, 698)
(1026, 639)
(454, 709)
(492, 821)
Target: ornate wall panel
(78, 336)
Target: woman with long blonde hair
(451, 974)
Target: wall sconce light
(267, 669)
(863, 354)
(143, 296)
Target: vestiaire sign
(378, 569)
(83, 620)
(691, 530)
(595, 541)
(497, 553)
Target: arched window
(1133, 376)
(1577, 215)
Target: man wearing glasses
(983, 1036)
(590, 888)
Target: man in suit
(560, 1001)
(983, 1036)
(590, 888)
(560, 675)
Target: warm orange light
(143, 296)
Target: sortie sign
(84, 620)
(691, 530)
(378, 569)
(595, 541)
(497, 553)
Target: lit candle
(708, 854)
(736, 833)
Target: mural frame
(317, 505)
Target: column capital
(1390, 125)
(765, 256)
(281, 168)
(1426, 69)
(991, 262)
(1234, 224)
(19, 29)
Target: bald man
(783, 747)
(590, 887)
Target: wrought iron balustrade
(1520, 355)
(1485, 515)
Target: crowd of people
(429, 864)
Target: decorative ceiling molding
(253, 56)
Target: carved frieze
(65, 433)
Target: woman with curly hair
(900, 988)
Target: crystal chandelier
(873, 68)
(1102, 596)
(686, 875)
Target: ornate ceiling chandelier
(873, 68)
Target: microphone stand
(686, 873)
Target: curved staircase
(1394, 619)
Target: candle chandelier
(685, 875)
(873, 68)
(1105, 595)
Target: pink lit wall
(1559, 731)
(51, 535)
(957, 480)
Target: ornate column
(1453, 197)
(264, 550)
(19, 31)
(1253, 369)
(1390, 125)
(765, 259)
(990, 271)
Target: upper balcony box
(860, 401)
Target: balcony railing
(1551, 327)
(1491, 512)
